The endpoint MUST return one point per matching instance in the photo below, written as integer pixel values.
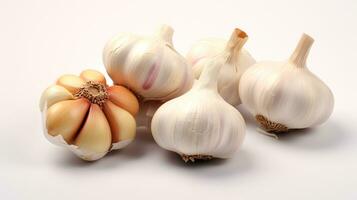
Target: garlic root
(193, 158)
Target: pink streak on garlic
(151, 76)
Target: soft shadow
(329, 135)
(137, 149)
(68, 159)
(248, 118)
(215, 168)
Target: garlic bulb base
(270, 126)
(193, 158)
(95, 92)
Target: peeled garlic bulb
(286, 95)
(200, 124)
(85, 115)
(239, 60)
(150, 66)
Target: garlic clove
(71, 82)
(65, 118)
(95, 136)
(93, 75)
(54, 94)
(123, 98)
(122, 123)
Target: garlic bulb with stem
(150, 66)
(200, 124)
(232, 68)
(286, 95)
(85, 115)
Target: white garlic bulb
(150, 66)
(239, 60)
(200, 124)
(286, 95)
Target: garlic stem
(165, 32)
(235, 43)
(301, 51)
(209, 76)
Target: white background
(40, 40)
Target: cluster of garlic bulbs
(194, 118)
(239, 60)
(85, 115)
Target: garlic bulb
(200, 124)
(150, 66)
(239, 60)
(286, 95)
(85, 115)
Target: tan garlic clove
(65, 118)
(122, 97)
(122, 124)
(94, 139)
(54, 94)
(71, 82)
(93, 75)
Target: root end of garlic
(270, 126)
(95, 92)
(192, 158)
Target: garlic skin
(239, 60)
(286, 95)
(88, 117)
(150, 66)
(200, 124)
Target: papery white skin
(200, 122)
(287, 92)
(150, 66)
(205, 50)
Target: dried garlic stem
(302, 50)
